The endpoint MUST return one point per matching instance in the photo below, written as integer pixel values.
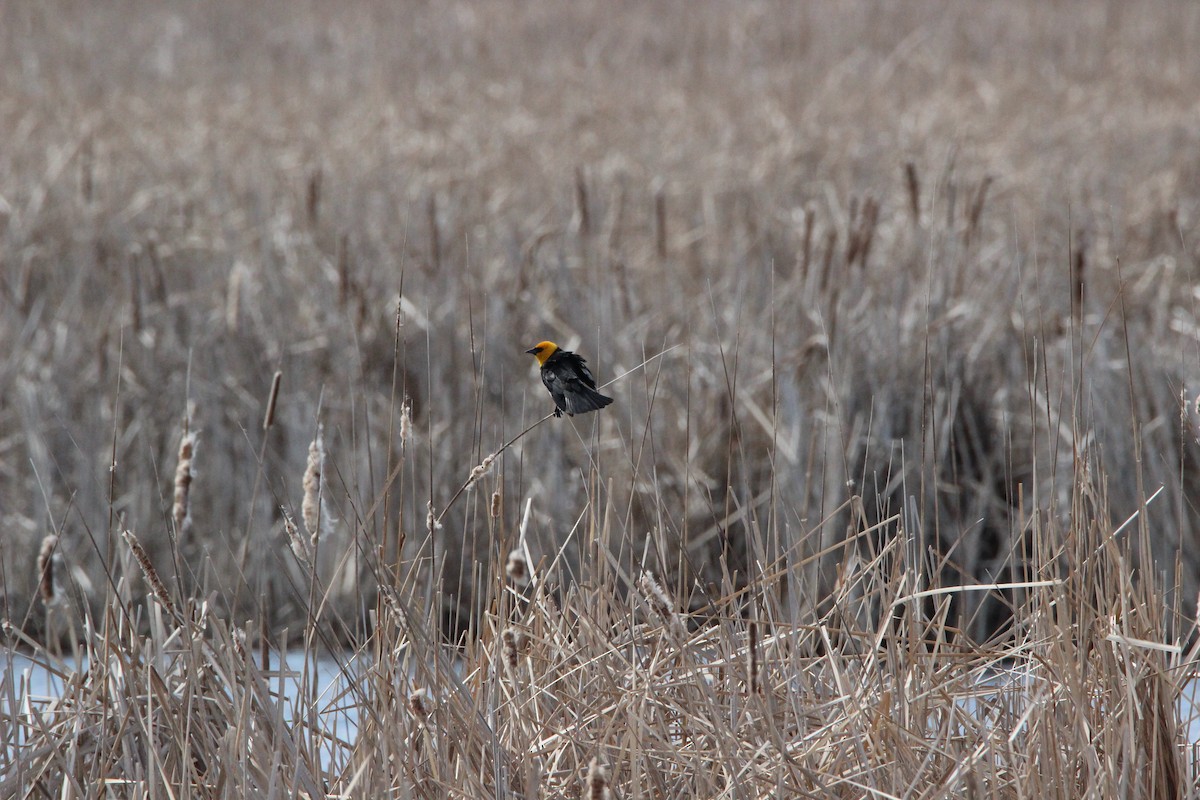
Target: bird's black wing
(579, 366)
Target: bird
(568, 379)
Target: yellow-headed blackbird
(569, 380)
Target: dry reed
(925, 520)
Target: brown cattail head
(517, 568)
(914, 191)
(157, 587)
(752, 665)
(50, 571)
(496, 505)
(597, 781)
(420, 703)
(313, 506)
(183, 485)
(513, 642)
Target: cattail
(435, 236)
(914, 192)
(312, 204)
(50, 568)
(135, 296)
(511, 641)
(183, 485)
(976, 211)
(157, 587)
(752, 660)
(657, 597)
(830, 249)
(495, 507)
(269, 417)
(517, 568)
(391, 601)
(421, 703)
(597, 781)
(238, 638)
(581, 203)
(1078, 281)
(431, 521)
(295, 540)
(806, 249)
(660, 222)
(405, 421)
(87, 169)
(313, 506)
(233, 297)
(343, 268)
(480, 472)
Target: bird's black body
(569, 381)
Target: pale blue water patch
(331, 703)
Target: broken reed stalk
(181, 510)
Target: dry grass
(897, 297)
(587, 691)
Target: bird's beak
(532, 351)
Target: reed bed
(897, 302)
(608, 687)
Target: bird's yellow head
(543, 350)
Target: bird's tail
(585, 400)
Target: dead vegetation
(895, 298)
